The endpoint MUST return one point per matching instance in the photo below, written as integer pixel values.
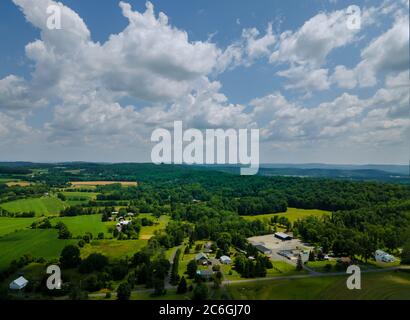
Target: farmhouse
(201, 258)
(121, 224)
(283, 236)
(225, 260)
(18, 284)
(263, 249)
(381, 256)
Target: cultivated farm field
(79, 184)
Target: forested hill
(243, 194)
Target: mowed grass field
(38, 243)
(375, 286)
(41, 206)
(80, 225)
(292, 214)
(147, 232)
(113, 249)
(9, 225)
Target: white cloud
(304, 78)
(344, 78)
(150, 61)
(312, 43)
(388, 53)
(380, 119)
(16, 95)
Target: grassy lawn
(9, 225)
(281, 268)
(160, 224)
(79, 225)
(320, 266)
(113, 249)
(389, 285)
(38, 243)
(41, 206)
(292, 214)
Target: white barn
(381, 256)
(18, 284)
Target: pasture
(79, 225)
(293, 214)
(9, 225)
(37, 243)
(113, 249)
(41, 206)
(375, 286)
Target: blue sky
(96, 89)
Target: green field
(38, 243)
(160, 224)
(292, 214)
(114, 249)
(77, 198)
(41, 206)
(80, 225)
(388, 285)
(9, 225)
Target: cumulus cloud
(378, 119)
(149, 61)
(387, 53)
(16, 95)
(312, 43)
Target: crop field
(38, 243)
(41, 206)
(79, 184)
(9, 225)
(18, 183)
(388, 285)
(79, 225)
(113, 249)
(292, 214)
(147, 232)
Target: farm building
(131, 214)
(225, 260)
(208, 247)
(201, 258)
(18, 284)
(205, 273)
(263, 249)
(381, 256)
(283, 236)
(121, 224)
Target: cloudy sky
(96, 89)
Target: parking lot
(276, 245)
